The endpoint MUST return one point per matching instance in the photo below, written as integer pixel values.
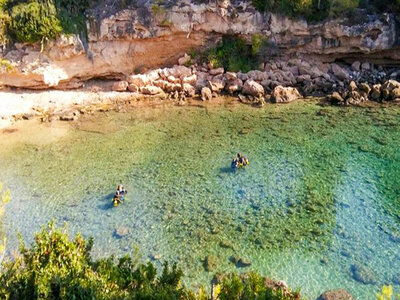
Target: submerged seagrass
(319, 196)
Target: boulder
(355, 66)
(120, 86)
(244, 262)
(388, 87)
(217, 71)
(234, 86)
(122, 231)
(190, 79)
(184, 59)
(257, 75)
(376, 92)
(365, 88)
(352, 86)
(362, 274)
(173, 79)
(133, 88)
(285, 94)
(230, 76)
(242, 76)
(139, 80)
(189, 90)
(253, 88)
(339, 72)
(176, 71)
(336, 98)
(365, 66)
(206, 94)
(217, 84)
(395, 93)
(210, 263)
(151, 90)
(336, 295)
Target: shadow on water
(106, 202)
(227, 170)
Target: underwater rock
(210, 263)
(122, 231)
(243, 262)
(336, 295)
(362, 274)
(226, 244)
(345, 253)
(396, 279)
(156, 256)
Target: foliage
(312, 10)
(58, 268)
(250, 286)
(233, 54)
(4, 199)
(39, 20)
(387, 291)
(34, 21)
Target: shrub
(233, 54)
(251, 286)
(58, 268)
(34, 21)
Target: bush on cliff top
(37, 20)
(56, 267)
(34, 21)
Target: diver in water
(234, 163)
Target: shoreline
(69, 105)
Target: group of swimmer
(239, 161)
(119, 194)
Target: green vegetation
(317, 10)
(58, 268)
(4, 199)
(387, 291)
(234, 54)
(38, 20)
(34, 21)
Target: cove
(317, 207)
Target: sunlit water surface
(320, 195)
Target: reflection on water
(318, 197)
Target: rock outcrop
(336, 295)
(143, 38)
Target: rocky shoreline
(277, 81)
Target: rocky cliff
(150, 36)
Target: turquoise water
(320, 195)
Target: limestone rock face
(138, 38)
(285, 94)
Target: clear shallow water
(320, 195)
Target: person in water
(242, 160)
(117, 196)
(121, 189)
(234, 163)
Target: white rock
(253, 88)
(285, 94)
(206, 94)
